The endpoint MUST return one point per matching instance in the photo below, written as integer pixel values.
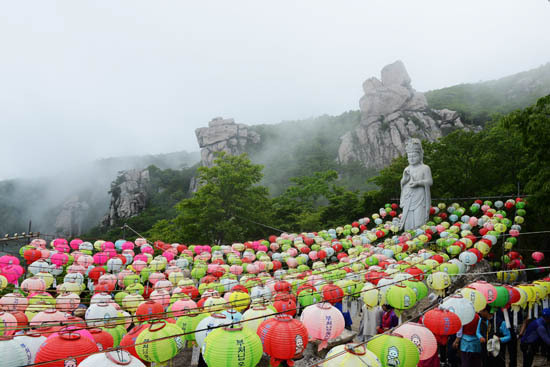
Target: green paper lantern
(418, 287)
(232, 347)
(160, 342)
(503, 296)
(117, 332)
(394, 351)
(400, 297)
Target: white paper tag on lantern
(536, 313)
(515, 319)
(345, 304)
(545, 303)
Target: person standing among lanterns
(536, 333)
(371, 318)
(389, 319)
(468, 344)
(491, 333)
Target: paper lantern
(98, 314)
(116, 331)
(502, 298)
(476, 297)
(287, 306)
(206, 325)
(216, 303)
(181, 306)
(350, 355)
(67, 302)
(370, 295)
(442, 322)
(13, 355)
(8, 322)
(332, 293)
(33, 284)
(283, 339)
(461, 306)
(129, 340)
(232, 315)
(438, 282)
(488, 290)
(323, 322)
(111, 359)
(394, 351)
(102, 339)
(160, 342)
(131, 302)
(149, 310)
(232, 347)
(63, 347)
(421, 336)
(30, 342)
(49, 316)
(401, 297)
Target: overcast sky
(81, 80)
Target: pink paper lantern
(14, 302)
(75, 243)
(236, 269)
(8, 260)
(421, 336)
(67, 302)
(33, 284)
(488, 290)
(168, 255)
(323, 322)
(147, 250)
(85, 261)
(127, 245)
(51, 316)
(9, 321)
(101, 258)
(179, 307)
(537, 256)
(59, 259)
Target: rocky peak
(392, 112)
(223, 135)
(129, 194)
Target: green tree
(222, 208)
(533, 126)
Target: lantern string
(267, 300)
(240, 322)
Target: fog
(82, 80)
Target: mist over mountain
(42, 199)
(74, 200)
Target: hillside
(477, 102)
(84, 189)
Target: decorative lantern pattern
(111, 359)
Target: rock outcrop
(70, 222)
(223, 135)
(391, 112)
(128, 195)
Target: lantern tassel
(506, 318)
(515, 319)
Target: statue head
(415, 153)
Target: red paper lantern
(63, 347)
(283, 286)
(96, 272)
(102, 339)
(333, 293)
(32, 255)
(149, 310)
(22, 319)
(239, 288)
(191, 291)
(283, 338)
(129, 340)
(418, 274)
(287, 306)
(442, 322)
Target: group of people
(483, 342)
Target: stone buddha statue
(415, 188)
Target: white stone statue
(415, 188)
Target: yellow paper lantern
(476, 297)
